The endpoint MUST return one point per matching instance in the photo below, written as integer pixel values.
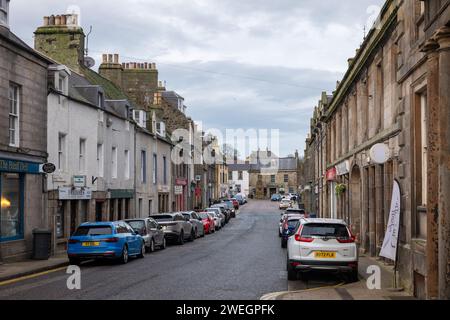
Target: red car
(235, 203)
(208, 222)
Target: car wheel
(164, 244)
(181, 238)
(143, 249)
(292, 273)
(74, 261)
(192, 237)
(124, 258)
(284, 243)
(152, 246)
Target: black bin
(42, 244)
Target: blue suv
(105, 240)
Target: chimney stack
(68, 47)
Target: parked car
(217, 219)
(196, 221)
(322, 244)
(285, 203)
(235, 203)
(275, 197)
(289, 226)
(230, 206)
(221, 209)
(288, 212)
(241, 198)
(208, 222)
(176, 227)
(150, 231)
(100, 240)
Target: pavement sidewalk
(352, 291)
(10, 271)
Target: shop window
(11, 192)
(60, 217)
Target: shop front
(21, 206)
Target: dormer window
(100, 100)
(4, 10)
(63, 84)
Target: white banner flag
(389, 249)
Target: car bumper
(171, 235)
(95, 255)
(333, 266)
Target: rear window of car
(186, 215)
(163, 218)
(93, 231)
(203, 215)
(293, 223)
(325, 230)
(290, 211)
(137, 224)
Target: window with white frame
(14, 115)
(101, 116)
(82, 156)
(127, 164)
(100, 167)
(62, 152)
(114, 163)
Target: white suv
(322, 244)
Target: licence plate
(90, 244)
(325, 255)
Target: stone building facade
(23, 141)
(395, 92)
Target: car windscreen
(325, 230)
(163, 218)
(93, 231)
(185, 215)
(203, 215)
(138, 225)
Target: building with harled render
(395, 92)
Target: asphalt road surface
(242, 261)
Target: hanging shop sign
(68, 193)
(379, 153)
(390, 244)
(47, 168)
(331, 174)
(343, 168)
(181, 182)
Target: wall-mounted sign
(379, 153)
(17, 166)
(67, 193)
(79, 181)
(47, 168)
(343, 168)
(198, 178)
(163, 189)
(178, 190)
(331, 174)
(181, 182)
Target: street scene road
(242, 261)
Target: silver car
(151, 231)
(176, 227)
(196, 221)
(220, 215)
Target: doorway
(73, 217)
(98, 211)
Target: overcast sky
(258, 64)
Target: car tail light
(346, 240)
(73, 241)
(110, 240)
(299, 238)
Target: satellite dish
(379, 153)
(89, 62)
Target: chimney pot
(105, 58)
(51, 20)
(154, 66)
(58, 20)
(146, 65)
(116, 58)
(110, 58)
(63, 20)
(46, 20)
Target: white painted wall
(245, 182)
